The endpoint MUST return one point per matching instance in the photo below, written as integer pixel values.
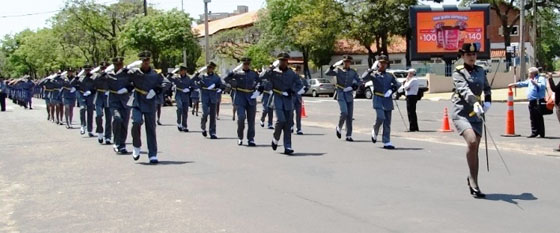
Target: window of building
(514, 31)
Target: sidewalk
(498, 95)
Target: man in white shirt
(411, 92)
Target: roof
(353, 47)
(241, 20)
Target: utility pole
(522, 65)
(534, 34)
(184, 50)
(206, 40)
(145, 7)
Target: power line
(28, 14)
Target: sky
(12, 21)
(14, 13)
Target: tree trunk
(306, 71)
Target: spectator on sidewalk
(535, 94)
(411, 92)
(3, 94)
(555, 88)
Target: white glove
(276, 63)
(135, 70)
(150, 94)
(388, 93)
(486, 106)
(95, 70)
(348, 89)
(186, 90)
(202, 69)
(110, 68)
(175, 71)
(107, 93)
(72, 90)
(375, 65)
(270, 92)
(81, 73)
(87, 93)
(285, 94)
(211, 86)
(218, 90)
(338, 63)
(238, 68)
(255, 95)
(301, 92)
(135, 64)
(477, 108)
(122, 91)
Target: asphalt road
(55, 180)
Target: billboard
(441, 32)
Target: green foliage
(261, 56)
(165, 34)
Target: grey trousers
(182, 112)
(100, 107)
(121, 117)
(383, 118)
(139, 118)
(346, 115)
(297, 107)
(208, 109)
(284, 124)
(248, 112)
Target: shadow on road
(405, 148)
(311, 134)
(511, 198)
(166, 163)
(306, 154)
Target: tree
(261, 57)
(165, 34)
(548, 47)
(308, 26)
(233, 43)
(370, 21)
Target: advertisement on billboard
(442, 33)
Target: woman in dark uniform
(468, 111)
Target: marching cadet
(28, 87)
(86, 94)
(45, 95)
(246, 83)
(211, 85)
(470, 82)
(56, 98)
(120, 87)
(195, 97)
(286, 84)
(182, 83)
(298, 104)
(147, 84)
(68, 95)
(101, 105)
(346, 82)
(383, 87)
(3, 94)
(266, 98)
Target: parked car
(365, 89)
(320, 86)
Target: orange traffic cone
(510, 119)
(303, 113)
(445, 124)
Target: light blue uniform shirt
(534, 92)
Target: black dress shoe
(262, 124)
(123, 151)
(349, 139)
(186, 130)
(274, 145)
(213, 137)
(389, 147)
(270, 127)
(542, 136)
(251, 144)
(159, 123)
(338, 134)
(288, 151)
(239, 142)
(532, 136)
(91, 135)
(373, 139)
(180, 129)
(204, 133)
(476, 193)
